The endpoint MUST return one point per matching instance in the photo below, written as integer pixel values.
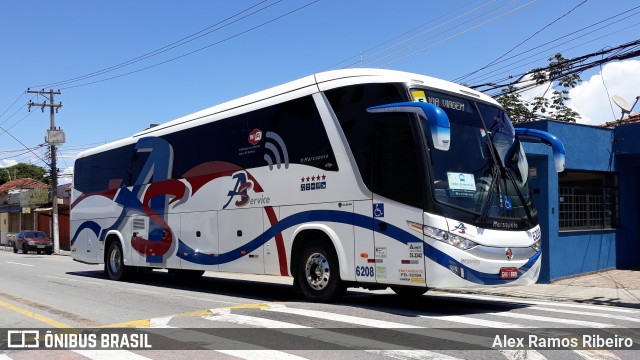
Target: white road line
(340, 317)
(225, 315)
(475, 321)
(514, 300)
(587, 313)
(516, 315)
(522, 354)
(597, 354)
(69, 279)
(15, 263)
(411, 329)
(110, 354)
(260, 354)
(160, 322)
(4, 357)
(412, 354)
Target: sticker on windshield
(461, 185)
(461, 181)
(418, 96)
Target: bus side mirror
(532, 135)
(436, 117)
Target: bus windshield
(485, 171)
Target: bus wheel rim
(317, 271)
(115, 260)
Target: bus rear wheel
(114, 265)
(319, 273)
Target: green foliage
(557, 77)
(24, 171)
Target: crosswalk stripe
(475, 321)
(522, 354)
(412, 354)
(514, 300)
(110, 354)
(260, 354)
(517, 315)
(160, 322)
(335, 338)
(341, 318)
(225, 315)
(596, 354)
(413, 329)
(586, 313)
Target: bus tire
(114, 262)
(319, 273)
(406, 291)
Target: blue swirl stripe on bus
(187, 253)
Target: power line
(522, 42)
(438, 34)
(413, 37)
(197, 50)
(576, 65)
(545, 57)
(165, 48)
(628, 12)
(458, 34)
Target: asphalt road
(247, 316)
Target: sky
(122, 65)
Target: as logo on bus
(240, 190)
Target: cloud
(7, 163)
(590, 98)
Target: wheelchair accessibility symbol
(378, 210)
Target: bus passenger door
(398, 199)
(364, 248)
(237, 229)
(399, 251)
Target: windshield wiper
(524, 205)
(495, 179)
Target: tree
(557, 75)
(19, 171)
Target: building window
(588, 200)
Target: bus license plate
(509, 273)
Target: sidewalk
(611, 287)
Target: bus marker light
(364, 255)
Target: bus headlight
(444, 236)
(537, 245)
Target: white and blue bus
(351, 178)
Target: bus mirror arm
(435, 116)
(533, 135)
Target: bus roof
(300, 87)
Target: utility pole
(53, 137)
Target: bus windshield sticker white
(461, 185)
(461, 181)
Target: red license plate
(509, 273)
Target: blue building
(589, 213)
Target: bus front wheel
(319, 273)
(114, 264)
